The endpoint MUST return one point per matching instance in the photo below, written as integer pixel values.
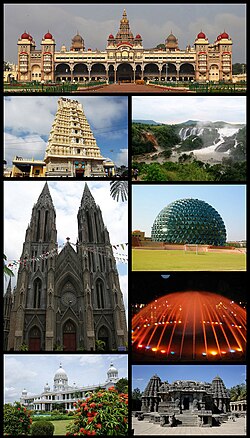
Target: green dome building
(189, 221)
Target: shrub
(71, 413)
(42, 428)
(104, 412)
(17, 420)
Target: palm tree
(119, 188)
(99, 345)
(6, 270)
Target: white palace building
(125, 59)
(64, 394)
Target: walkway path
(229, 428)
(132, 88)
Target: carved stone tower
(72, 149)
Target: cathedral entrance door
(69, 337)
(35, 340)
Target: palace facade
(71, 300)
(125, 59)
(64, 394)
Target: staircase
(187, 420)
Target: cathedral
(125, 59)
(69, 300)
(64, 394)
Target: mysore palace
(125, 59)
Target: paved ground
(131, 88)
(229, 428)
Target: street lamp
(166, 72)
(63, 85)
(42, 82)
(207, 82)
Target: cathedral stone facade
(125, 59)
(69, 300)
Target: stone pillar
(71, 73)
(89, 70)
(107, 73)
(160, 70)
(115, 70)
(142, 71)
(177, 72)
(134, 69)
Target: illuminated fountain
(190, 325)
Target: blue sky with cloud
(231, 374)
(33, 371)
(178, 109)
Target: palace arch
(62, 72)
(125, 73)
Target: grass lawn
(60, 426)
(162, 260)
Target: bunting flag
(123, 257)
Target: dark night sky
(149, 286)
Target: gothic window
(38, 226)
(69, 327)
(100, 294)
(89, 226)
(37, 288)
(45, 234)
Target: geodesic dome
(189, 221)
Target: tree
(99, 345)
(238, 392)
(102, 413)
(17, 420)
(7, 271)
(119, 188)
(122, 385)
(136, 399)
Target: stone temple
(185, 402)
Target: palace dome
(201, 35)
(48, 36)
(224, 35)
(138, 37)
(112, 369)
(171, 38)
(189, 221)
(111, 37)
(25, 36)
(77, 39)
(60, 373)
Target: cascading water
(191, 325)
